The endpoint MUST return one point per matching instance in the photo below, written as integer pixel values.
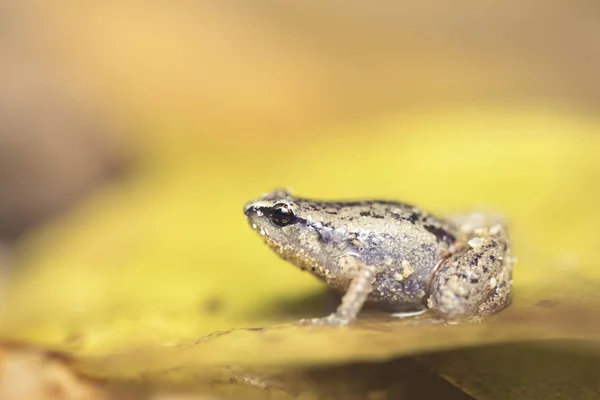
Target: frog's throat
(297, 257)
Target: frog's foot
(408, 314)
(469, 223)
(330, 320)
(476, 281)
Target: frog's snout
(249, 208)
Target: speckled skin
(392, 254)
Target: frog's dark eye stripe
(282, 214)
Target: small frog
(395, 255)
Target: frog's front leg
(477, 279)
(355, 297)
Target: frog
(393, 255)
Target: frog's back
(388, 219)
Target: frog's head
(285, 225)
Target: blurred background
(132, 133)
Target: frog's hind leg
(477, 280)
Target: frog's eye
(282, 214)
